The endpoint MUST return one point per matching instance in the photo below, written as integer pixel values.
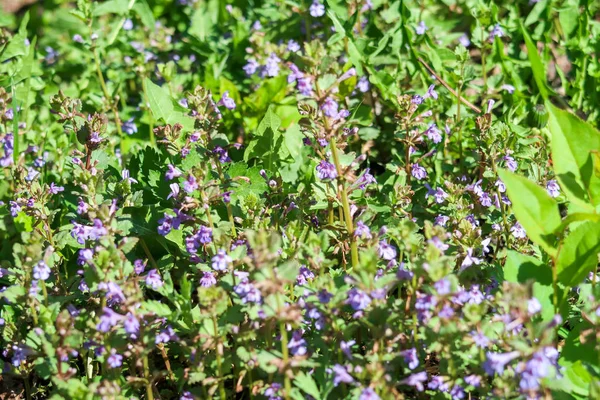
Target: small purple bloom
(317, 9)
(326, 170)
(208, 279)
(421, 28)
(221, 261)
(418, 172)
(227, 101)
(153, 279)
(41, 271)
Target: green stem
(228, 205)
(108, 98)
(286, 355)
(222, 393)
(345, 203)
(149, 393)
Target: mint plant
(299, 200)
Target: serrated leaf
(307, 384)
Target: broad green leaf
(268, 141)
(535, 210)
(579, 254)
(204, 20)
(163, 106)
(16, 47)
(521, 268)
(537, 65)
(574, 145)
(143, 10)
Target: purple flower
(172, 172)
(165, 335)
(410, 358)
(129, 127)
(41, 271)
(480, 340)
(330, 107)
(53, 189)
(272, 65)
(421, 28)
(222, 154)
(497, 31)
(153, 279)
(341, 375)
(386, 251)
(251, 67)
(357, 299)
(221, 261)
(227, 101)
(167, 223)
(473, 380)
(346, 348)
(496, 362)
(469, 260)
(208, 279)
(418, 172)
(533, 306)
(511, 164)
(82, 207)
(247, 292)
(297, 344)
(272, 392)
(457, 392)
(15, 208)
(304, 275)
(131, 324)
(362, 231)
(509, 88)
(518, 231)
(416, 380)
(190, 184)
(84, 256)
(553, 188)
(114, 360)
(326, 170)
(431, 93)
(114, 294)
(174, 191)
(433, 133)
(368, 394)
(464, 40)
(186, 396)
(293, 46)
(304, 86)
(363, 84)
(317, 9)
(108, 319)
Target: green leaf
(535, 210)
(267, 141)
(142, 9)
(156, 307)
(204, 20)
(537, 66)
(575, 144)
(164, 107)
(307, 384)
(579, 254)
(16, 47)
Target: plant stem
(228, 205)
(345, 203)
(286, 356)
(219, 349)
(149, 393)
(108, 98)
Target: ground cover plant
(363, 199)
